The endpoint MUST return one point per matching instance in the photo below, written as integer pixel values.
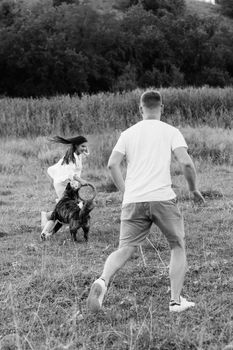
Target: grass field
(44, 285)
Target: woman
(67, 169)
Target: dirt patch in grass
(3, 234)
(5, 193)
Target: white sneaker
(182, 306)
(96, 295)
(44, 219)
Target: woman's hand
(83, 182)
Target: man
(148, 196)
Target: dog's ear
(70, 193)
(68, 186)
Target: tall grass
(105, 111)
(205, 144)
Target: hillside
(202, 8)
(105, 6)
(194, 6)
(102, 5)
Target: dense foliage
(58, 47)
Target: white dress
(63, 173)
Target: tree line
(50, 47)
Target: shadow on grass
(5, 193)
(3, 234)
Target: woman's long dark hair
(73, 142)
(69, 156)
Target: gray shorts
(137, 218)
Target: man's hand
(197, 197)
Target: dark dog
(67, 211)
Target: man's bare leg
(114, 262)
(177, 272)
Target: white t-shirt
(148, 146)
(61, 172)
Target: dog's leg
(86, 229)
(57, 227)
(47, 230)
(73, 233)
(74, 226)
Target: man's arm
(189, 172)
(115, 170)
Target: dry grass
(205, 144)
(44, 286)
(98, 113)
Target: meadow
(44, 285)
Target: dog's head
(71, 192)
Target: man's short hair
(151, 99)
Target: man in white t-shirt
(148, 196)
